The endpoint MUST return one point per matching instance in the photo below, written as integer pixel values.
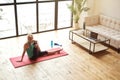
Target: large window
(6, 1)
(64, 14)
(19, 17)
(24, 0)
(26, 18)
(46, 16)
(7, 21)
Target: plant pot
(76, 26)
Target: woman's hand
(19, 61)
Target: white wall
(107, 7)
(110, 8)
(91, 5)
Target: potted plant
(76, 9)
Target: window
(46, 16)
(24, 0)
(64, 14)
(33, 16)
(26, 18)
(6, 1)
(7, 21)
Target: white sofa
(105, 26)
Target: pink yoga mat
(26, 60)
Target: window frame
(37, 15)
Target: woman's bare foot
(59, 50)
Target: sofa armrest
(92, 20)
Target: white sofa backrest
(117, 26)
(110, 22)
(92, 20)
(103, 20)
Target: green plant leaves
(77, 9)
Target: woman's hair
(30, 36)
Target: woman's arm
(37, 45)
(22, 56)
(24, 50)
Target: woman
(33, 50)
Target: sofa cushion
(112, 34)
(108, 32)
(117, 26)
(94, 20)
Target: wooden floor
(78, 65)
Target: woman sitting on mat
(33, 49)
